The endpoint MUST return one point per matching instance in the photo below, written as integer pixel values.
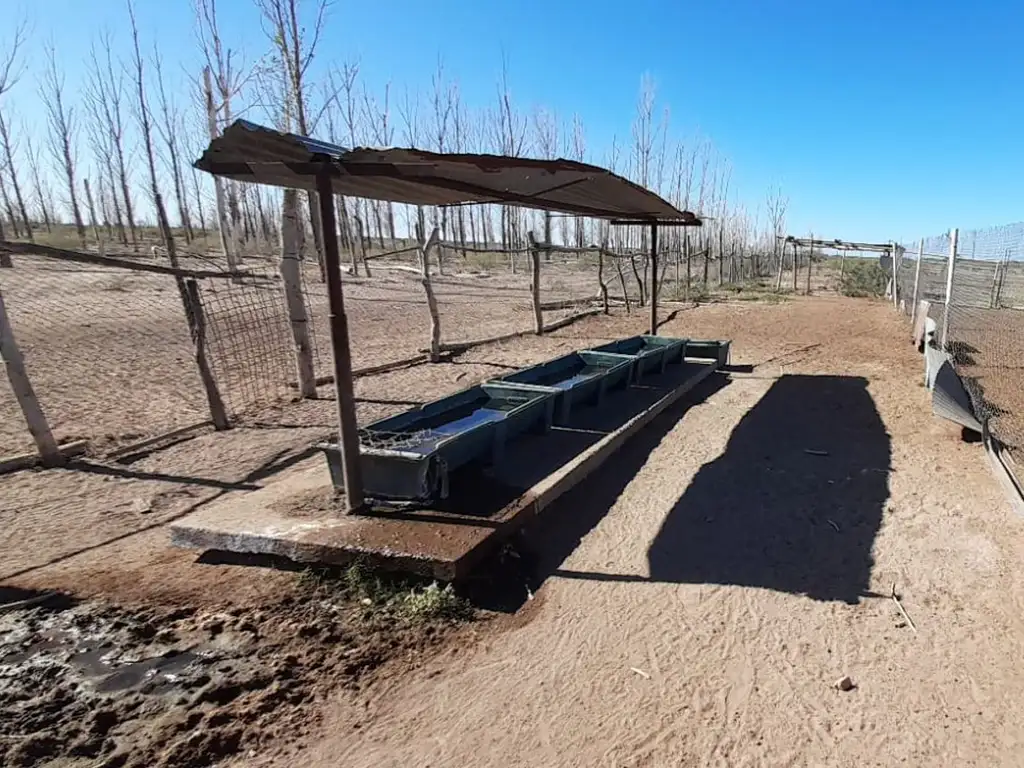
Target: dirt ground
(697, 607)
(694, 604)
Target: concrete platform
(295, 515)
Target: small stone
(845, 684)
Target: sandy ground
(698, 604)
(694, 604)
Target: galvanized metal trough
(408, 457)
(576, 378)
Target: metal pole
(917, 282)
(348, 437)
(654, 279)
(954, 235)
(896, 256)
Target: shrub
(864, 277)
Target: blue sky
(879, 120)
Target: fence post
(600, 276)
(896, 255)
(654, 279)
(917, 282)
(954, 235)
(291, 253)
(538, 314)
(782, 261)
(810, 265)
(197, 325)
(5, 259)
(38, 427)
(435, 317)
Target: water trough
(576, 378)
(409, 456)
(297, 514)
(651, 353)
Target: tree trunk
(291, 274)
(92, 210)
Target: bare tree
(104, 101)
(776, 205)
(229, 75)
(342, 84)
(146, 130)
(296, 49)
(509, 135)
(10, 73)
(43, 195)
(170, 129)
(63, 131)
(410, 113)
(378, 117)
(545, 129)
(441, 103)
(578, 152)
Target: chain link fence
(982, 317)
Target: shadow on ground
(793, 504)
(538, 550)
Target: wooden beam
(348, 435)
(654, 279)
(38, 427)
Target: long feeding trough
(409, 456)
(494, 494)
(576, 378)
(652, 353)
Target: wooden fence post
(600, 278)
(435, 317)
(538, 314)
(197, 325)
(291, 275)
(189, 292)
(38, 427)
(654, 279)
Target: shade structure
(254, 153)
(250, 152)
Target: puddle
(108, 666)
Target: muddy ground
(93, 683)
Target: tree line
(82, 167)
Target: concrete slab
(296, 516)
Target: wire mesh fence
(112, 356)
(108, 351)
(111, 343)
(981, 320)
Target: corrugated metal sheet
(949, 397)
(250, 152)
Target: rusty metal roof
(250, 152)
